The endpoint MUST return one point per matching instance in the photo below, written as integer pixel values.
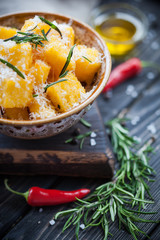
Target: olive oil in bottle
(120, 31)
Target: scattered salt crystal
(39, 222)
(82, 226)
(92, 142)
(52, 222)
(151, 128)
(134, 94)
(41, 210)
(93, 134)
(155, 45)
(157, 112)
(150, 75)
(135, 120)
(130, 89)
(138, 139)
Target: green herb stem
(64, 74)
(12, 67)
(35, 95)
(87, 59)
(53, 83)
(51, 25)
(85, 123)
(68, 60)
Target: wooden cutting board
(52, 156)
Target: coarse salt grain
(134, 94)
(138, 139)
(129, 89)
(41, 210)
(135, 120)
(82, 226)
(52, 222)
(92, 142)
(93, 134)
(150, 75)
(151, 128)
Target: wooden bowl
(34, 129)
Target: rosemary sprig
(135, 166)
(85, 123)
(29, 37)
(87, 59)
(80, 137)
(51, 25)
(68, 60)
(12, 67)
(116, 199)
(53, 83)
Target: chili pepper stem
(25, 194)
(150, 64)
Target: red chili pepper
(126, 70)
(122, 72)
(36, 196)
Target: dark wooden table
(142, 106)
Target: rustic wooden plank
(58, 163)
(155, 234)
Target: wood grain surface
(18, 221)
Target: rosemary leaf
(68, 60)
(51, 25)
(44, 35)
(64, 74)
(87, 59)
(53, 83)
(85, 123)
(81, 144)
(32, 28)
(35, 95)
(48, 32)
(12, 67)
(25, 34)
